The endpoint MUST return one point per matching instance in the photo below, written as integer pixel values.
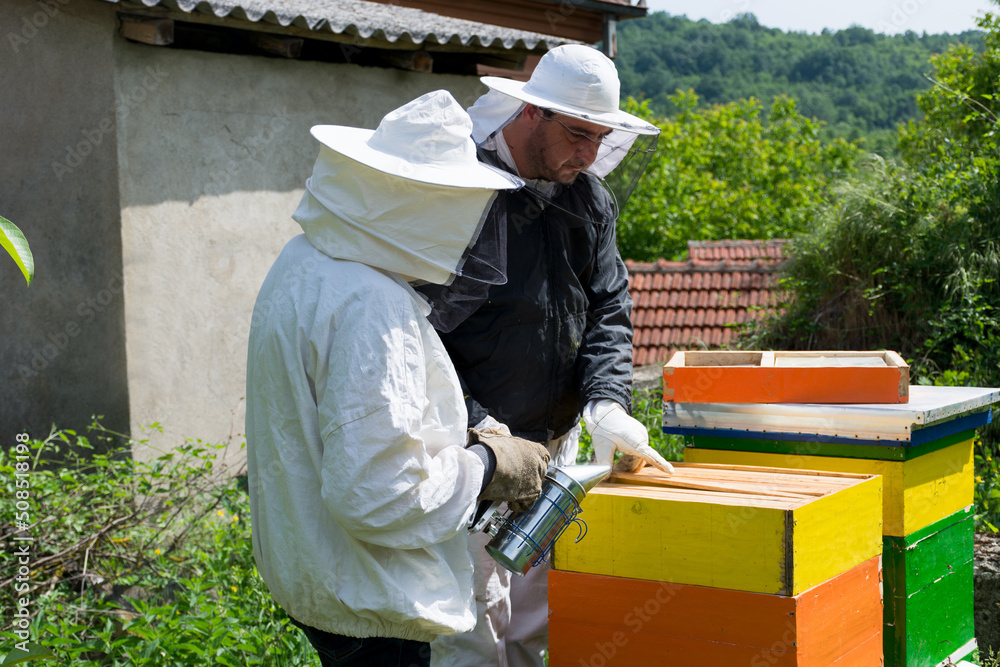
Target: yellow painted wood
(937, 485)
(916, 493)
(818, 528)
(814, 555)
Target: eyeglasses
(575, 136)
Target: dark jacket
(559, 332)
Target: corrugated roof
(366, 20)
(697, 303)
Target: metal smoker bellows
(523, 539)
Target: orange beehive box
(786, 377)
(597, 620)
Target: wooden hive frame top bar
(751, 486)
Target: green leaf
(14, 242)
(34, 652)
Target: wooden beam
(147, 30)
(284, 47)
(414, 61)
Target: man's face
(560, 147)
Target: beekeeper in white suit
(361, 483)
(555, 341)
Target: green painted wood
(932, 624)
(936, 527)
(845, 450)
(913, 562)
(928, 592)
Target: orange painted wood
(754, 378)
(842, 617)
(596, 620)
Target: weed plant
(988, 658)
(138, 563)
(987, 482)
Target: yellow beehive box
(915, 493)
(740, 528)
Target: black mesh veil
(624, 178)
(485, 264)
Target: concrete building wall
(214, 155)
(63, 339)
(155, 244)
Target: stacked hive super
(919, 439)
(721, 565)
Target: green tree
(908, 256)
(726, 172)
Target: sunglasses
(575, 136)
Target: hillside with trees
(860, 83)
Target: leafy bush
(987, 483)
(732, 171)
(139, 563)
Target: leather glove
(612, 429)
(520, 470)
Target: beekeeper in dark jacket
(555, 341)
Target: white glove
(612, 429)
(489, 424)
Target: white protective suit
(360, 483)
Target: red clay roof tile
(702, 301)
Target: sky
(884, 16)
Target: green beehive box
(928, 593)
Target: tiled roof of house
(366, 20)
(698, 303)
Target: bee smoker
(523, 539)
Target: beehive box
(929, 593)
(924, 450)
(601, 620)
(777, 532)
(786, 377)
(916, 492)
